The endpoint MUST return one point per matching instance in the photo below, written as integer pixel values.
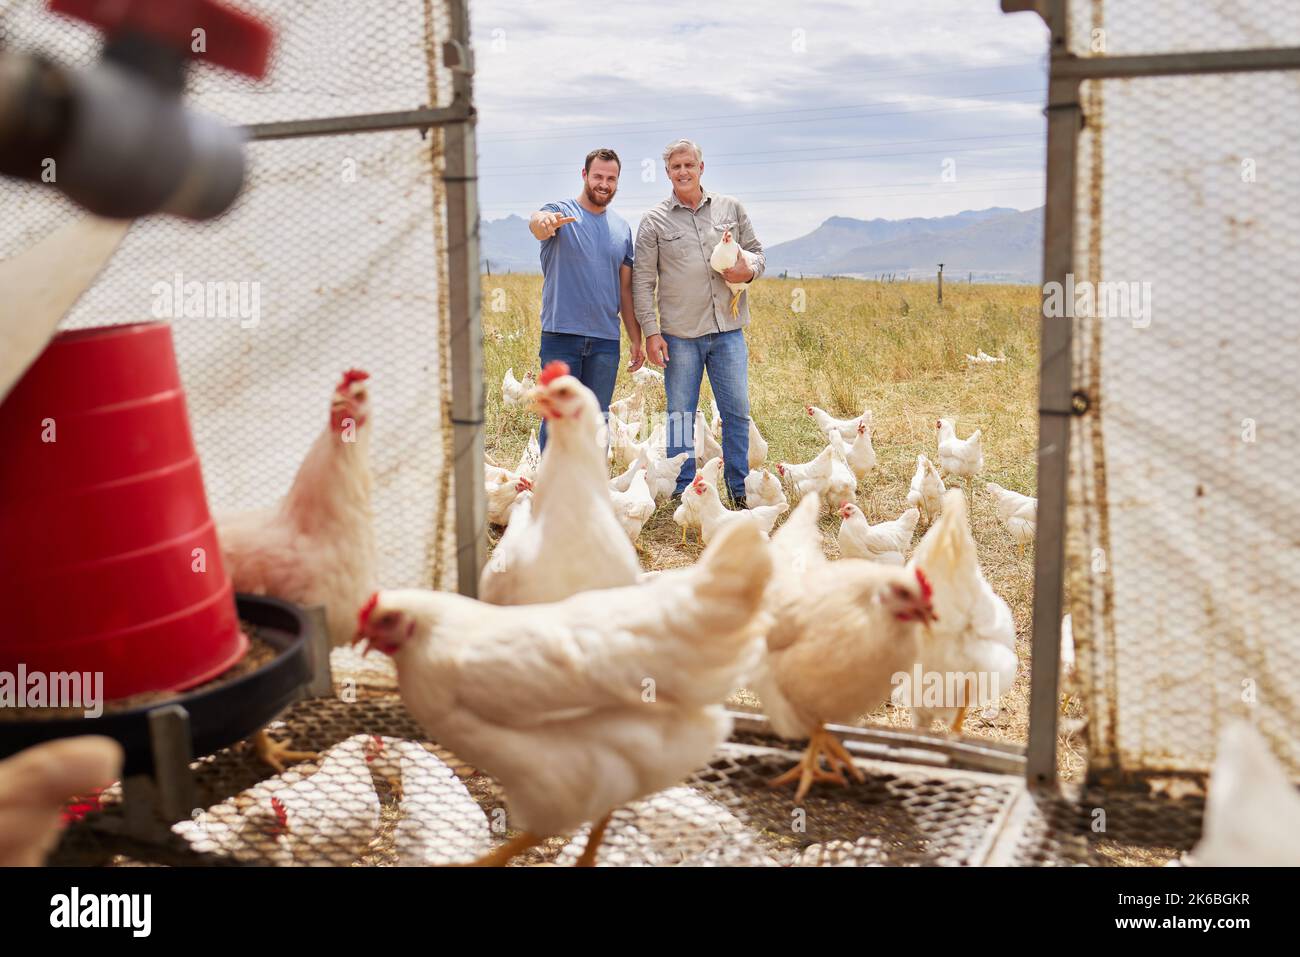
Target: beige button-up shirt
(673, 245)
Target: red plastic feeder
(102, 518)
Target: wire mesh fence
(1184, 568)
(330, 260)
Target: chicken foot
(277, 753)
(809, 770)
(735, 305)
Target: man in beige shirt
(694, 330)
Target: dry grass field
(888, 346)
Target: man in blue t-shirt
(587, 281)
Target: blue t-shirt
(580, 266)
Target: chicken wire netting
(1183, 558)
(382, 794)
(1125, 27)
(334, 251)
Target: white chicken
(886, 542)
(797, 546)
(971, 649)
(842, 487)
(531, 459)
(647, 376)
(687, 514)
(862, 455)
(550, 700)
(630, 409)
(836, 642)
(1019, 513)
(757, 444)
(847, 428)
(665, 472)
(634, 507)
(961, 457)
(317, 547)
(573, 541)
(623, 481)
(501, 496)
(521, 510)
(512, 390)
(725, 255)
(983, 358)
(1252, 811)
(763, 488)
(714, 515)
(706, 446)
(927, 489)
(808, 477)
(326, 818)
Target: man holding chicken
(697, 328)
(587, 281)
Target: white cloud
(753, 83)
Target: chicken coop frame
(928, 799)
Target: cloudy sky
(876, 108)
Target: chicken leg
(276, 753)
(809, 768)
(961, 716)
(502, 855)
(594, 837)
(735, 304)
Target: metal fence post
(464, 298)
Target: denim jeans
(593, 362)
(725, 356)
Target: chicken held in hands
(726, 254)
(317, 547)
(551, 699)
(573, 541)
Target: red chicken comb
(351, 376)
(553, 371)
(927, 590)
(808, 409)
(366, 610)
(281, 815)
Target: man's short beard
(597, 200)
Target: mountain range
(997, 244)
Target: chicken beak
(364, 642)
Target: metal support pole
(941, 284)
(321, 684)
(1064, 121)
(464, 298)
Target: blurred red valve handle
(231, 39)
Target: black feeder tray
(162, 738)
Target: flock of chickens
(580, 682)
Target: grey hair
(676, 146)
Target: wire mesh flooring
(379, 794)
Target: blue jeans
(726, 358)
(593, 362)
